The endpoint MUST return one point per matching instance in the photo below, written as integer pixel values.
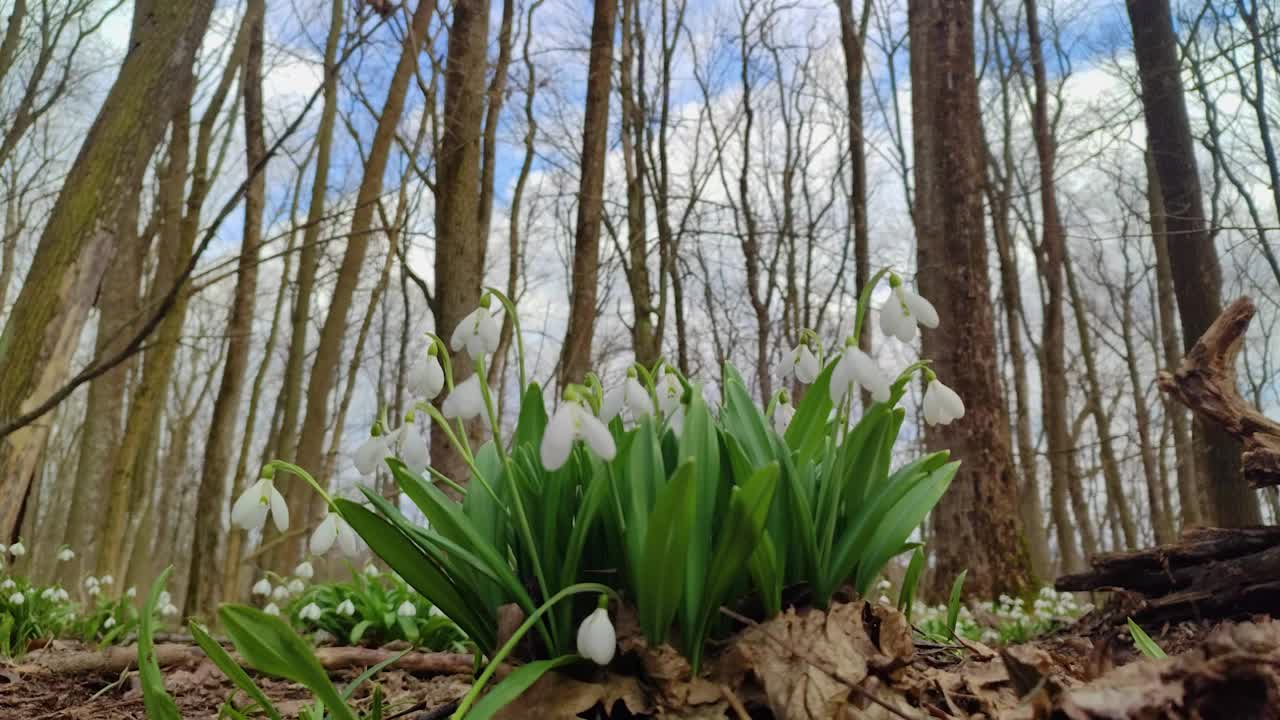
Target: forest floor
(852, 662)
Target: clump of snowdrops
(1005, 620)
(642, 492)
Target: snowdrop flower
(783, 412)
(597, 640)
(371, 570)
(106, 580)
(310, 612)
(18, 549)
(900, 315)
(109, 623)
(346, 608)
(800, 362)
(670, 392)
(271, 609)
(262, 587)
(573, 421)
(426, 377)
(94, 590)
(478, 332)
(413, 447)
(131, 593)
(630, 396)
(857, 368)
(333, 528)
(305, 570)
(261, 499)
(466, 400)
(8, 584)
(883, 585)
(169, 610)
(296, 586)
(48, 594)
(406, 609)
(941, 404)
(61, 595)
(280, 592)
(884, 600)
(66, 554)
(90, 581)
(17, 599)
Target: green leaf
(232, 670)
(269, 645)
(808, 429)
(155, 697)
(953, 605)
(699, 443)
(532, 422)
(665, 554)
(1144, 643)
(907, 593)
(364, 677)
(900, 519)
(507, 691)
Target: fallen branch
(1206, 383)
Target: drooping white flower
(413, 448)
(169, 610)
(109, 623)
(18, 549)
(857, 368)
(904, 310)
(8, 584)
(884, 600)
(107, 580)
(371, 570)
(334, 528)
(271, 609)
(941, 404)
(406, 609)
(261, 499)
(572, 422)
(131, 593)
(280, 592)
(426, 378)
(883, 585)
(296, 587)
(310, 612)
(93, 590)
(90, 581)
(305, 570)
(17, 598)
(478, 333)
(629, 396)
(262, 587)
(165, 598)
(466, 401)
(801, 362)
(49, 594)
(61, 595)
(66, 554)
(371, 453)
(670, 391)
(597, 640)
(346, 608)
(783, 412)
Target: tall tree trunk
(459, 261)
(645, 341)
(853, 42)
(1197, 277)
(204, 582)
(575, 359)
(976, 520)
(40, 336)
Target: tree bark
(977, 518)
(853, 43)
(39, 337)
(1197, 277)
(575, 359)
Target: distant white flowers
(109, 623)
(66, 554)
(597, 640)
(18, 549)
(272, 609)
(310, 611)
(856, 368)
(304, 570)
(573, 422)
(251, 509)
(478, 332)
(406, 609)
(941, 404)
(346, 608)
(905, 310)
(17, 598)
(262, 587)
(330, 530)
(8, 584)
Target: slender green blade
(229, 667)
(1144, 643)
(155, 697)
(507, 691)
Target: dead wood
(1206, 383)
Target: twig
(734, 702)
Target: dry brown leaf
(556, 696)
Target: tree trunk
(977, 519)
(853, 43)
(203, 586)
(40, 336)
(1197, 277)
(575, 359)
(645, 341)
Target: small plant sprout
(478, 332)
(941, 404)
(466, 401)
(18, 549)
(413, 446)
(904, 311)
(310, 611)
(330, 530)
(801, 361)
(260, 500)
(262, 587)
(783, 413)
(630, 397)
(573, 422)
(426, 378)
(597, 640)
(856, 368)
(406, 609)
(66, 554)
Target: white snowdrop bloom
(346, 608)
(17, 598)
(90, 581)
(94, 590)
(670, 391)
(435, 612)
(941, 404)
(280, 592)
(334, 529)
(8, 584)
(261, 499)
(271, 609)
(800, 362)
(572, 422)
(49, 594)
(106, 580)
(305, 570)
(262, 587)
(413, 448)
(371, 570)
(109, 623)
(856, 368)
(466, 401)
(904, 310)
(296, 587)
(406, 609)
(18, 549)
(629, 396)
(783, 412)
(597, 640)
(131, 593)
(169, 610)
(884, 600)
(478, 333)
(61, 595)
(426, 378)
(310, 612)
(371, 452)
(66, 554)
(883, 585)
